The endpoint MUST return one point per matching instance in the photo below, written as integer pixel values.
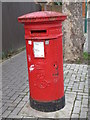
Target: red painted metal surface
(43, 35)
(41, 17)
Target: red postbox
(43, 35)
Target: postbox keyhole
(56, 66)
(56, 72)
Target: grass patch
(79, 61)
(10, 53)
(86, 56)
(85, 59)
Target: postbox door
(45, 69)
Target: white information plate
(38, 49)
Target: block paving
(14, 91)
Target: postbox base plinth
(48, 106)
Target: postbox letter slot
(38, 31)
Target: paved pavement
(15, 91)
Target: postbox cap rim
(41, 15)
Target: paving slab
(63, 113)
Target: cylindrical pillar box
(43, 35)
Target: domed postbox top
(42, 16)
